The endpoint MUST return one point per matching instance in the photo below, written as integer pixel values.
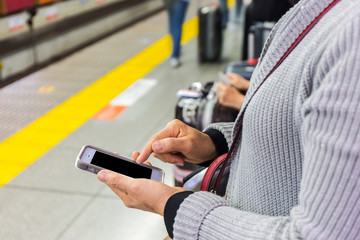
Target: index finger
(169, 131)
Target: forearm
(204, 215)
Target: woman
(295, 169)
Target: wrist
(246, 84)
(239, 102)
(212, 151)
(162, 203)
(218, 140)
(243, 84)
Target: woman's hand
(143, 194)
(177, 143)
(238, 81)
(229, 96)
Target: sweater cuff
(171, 207)
(192, 212)
(220, 144)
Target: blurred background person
(224, 13)
(176, 10)
(233, 96)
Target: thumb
(103, 175)
(112, 179)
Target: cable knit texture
(295, 173)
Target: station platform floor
(114, 94)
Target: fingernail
(158, 146)
(102, 176)
(180, 163)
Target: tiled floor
(51, 199)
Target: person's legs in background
(169, 6)
(238, 7)
(224, 13)
(177, 16)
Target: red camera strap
(294, 44)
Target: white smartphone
(93, 159)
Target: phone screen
(121, 166)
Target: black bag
(210, 33)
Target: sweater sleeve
(329, 197)
(224, 127)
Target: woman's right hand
(178, 143)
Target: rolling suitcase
(210, 33)
(260, 11)
(258, 33)
(257, 36)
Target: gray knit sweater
(295, 173)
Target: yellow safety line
(26, 146)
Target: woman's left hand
(143, 194)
